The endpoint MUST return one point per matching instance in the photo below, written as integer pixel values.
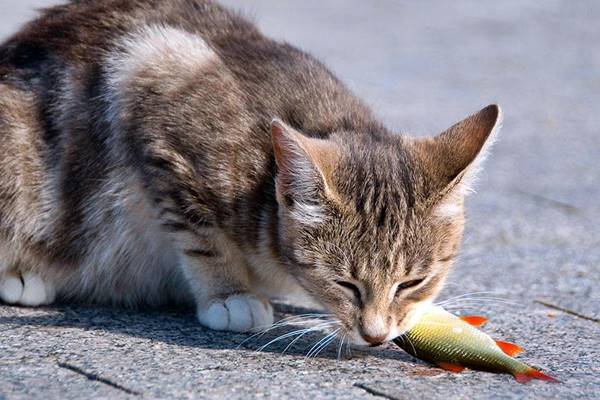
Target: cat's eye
(408, 284)
(351, 287)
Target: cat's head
(370, 224)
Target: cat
(166, 152)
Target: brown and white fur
(158, 151)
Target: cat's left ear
(304, 164)
(454, 157)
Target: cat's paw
(28, 289)
(237, 313)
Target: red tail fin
(534, 374)
(475, 320)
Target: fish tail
(532, 373)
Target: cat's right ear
(304, 164)
(454, 157)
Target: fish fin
(523, 378)
(474, 320)
(534, 374)
(510, 349)
(451, 367)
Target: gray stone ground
(532, 239)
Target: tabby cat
(166, 152)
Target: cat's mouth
(358, 339)
(394, 331)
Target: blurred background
(533, 236)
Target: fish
(454, 343)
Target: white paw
(11, 288)
(238, 313)
(28, 290)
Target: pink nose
(374, 340)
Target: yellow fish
(453, 343)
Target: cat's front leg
(223, 295)
(219, 279)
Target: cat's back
(82, 33)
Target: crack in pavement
(94, 377)
(538, 198)
(375, 392)
(567, 311)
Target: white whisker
(284, 336)
(321, 343)
(477, 301)
(327, 343)
(315, 345)
(297, 332)
(405, 337)
(472, 293)
(295, 319)
(339, 352)
(316, 328)
(348, 349)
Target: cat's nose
(374, 340)
(373, 329)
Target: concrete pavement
(532, 239)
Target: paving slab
(531, 256)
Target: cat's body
(140, 166)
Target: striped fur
(166, 151)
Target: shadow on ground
(180, 327)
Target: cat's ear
(304, 164)
(454, 157)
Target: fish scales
(446, 340)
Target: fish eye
(349, 286)
(408, 284)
